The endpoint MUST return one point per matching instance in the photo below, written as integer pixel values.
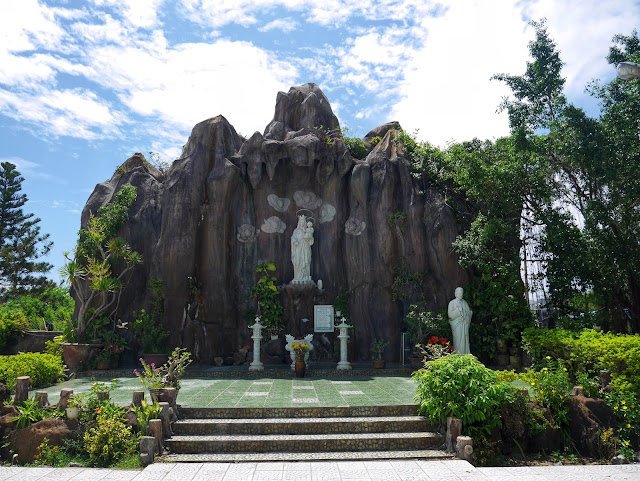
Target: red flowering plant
(114, 345)
(436, 348)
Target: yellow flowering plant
(300, 348)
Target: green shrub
(590, 351)
(461, 386)
(53, 305)
(109, 439)
(43, 369)
(12, 324)
(30, 412)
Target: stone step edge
(295, 437)
(305, 456)
(326, 420)
(298, 412)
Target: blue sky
(85, 84)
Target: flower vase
(300, 366)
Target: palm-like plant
(90, 270)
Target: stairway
(302, 434)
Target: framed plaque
(323, 318)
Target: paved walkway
(453, 470)
(267, 391)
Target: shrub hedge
(12, 324)
(590, 351)
(43, 369)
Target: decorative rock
(165, 416)
(7, 413)
(281, 204)
(620, 459)
(239, 357)
(327, 213)
(65, 395)
(76, 465)
(273, 225)
(354, 226)
(454, 429)
(42, 398)
(218, 361)
(247, 233)
(155, 430)
(103, 395)
(25, 441)
(502, 359)
(147, 450)
(137, 398)
(307, 200)
(222, 181)
(22, 389)
(464, 447)
(5, 393)
(131, 418)
(578, 391)
(587, 418)
(515, 361)
(605, 380)
(170, 395)
(228, 361)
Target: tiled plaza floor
(453, 470)
(267, 392)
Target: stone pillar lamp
(343, 364)
(256, 365)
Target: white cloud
(190, 82)
(584, 49)
(75, 113)
(26, 25)
(138, 13)
(285, 24)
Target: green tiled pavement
(266, 392)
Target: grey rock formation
(229, 203)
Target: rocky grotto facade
(230, 203)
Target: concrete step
(342, 425)
(303, 442)
(298, 412)
(430, 454)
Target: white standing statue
(301, 242)
(460, 319)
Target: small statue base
(302, 282)
(256, 367)
(343, 366)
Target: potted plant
(421, 324)
(156, 378)
(151, 337)
(74, 406)
(113, 346)
(377, 349)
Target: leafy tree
(590, 211)
(21, 244)
(53, 305)
(100, 265)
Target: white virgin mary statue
(460, 320)
(301, 242)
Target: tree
(21, 244)
(99, 268)
(589, 213)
